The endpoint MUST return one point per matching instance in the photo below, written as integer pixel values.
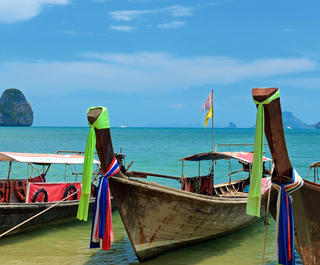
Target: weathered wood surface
(306, 212)
(274, 132)
(12, 214)
(159, 219)
(306, 200)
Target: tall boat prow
(305, 200)
(274, 131)
(103, 142)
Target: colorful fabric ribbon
(284, 250)
(254, 197)
(101, 123)
(102, 214)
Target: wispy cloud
(142, 72)
(172, 11)
(69, 32)
(177, 106)
(172, 25)
(16, 10)
(122, 28)
(290, 29)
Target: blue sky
(154, 62)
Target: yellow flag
(208, 116)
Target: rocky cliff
(231, 126)
(14, 109)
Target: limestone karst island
(15, 110)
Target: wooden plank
(137, 174)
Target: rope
(266, 227)
(36, 215)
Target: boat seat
(222, 190)
(237, 195)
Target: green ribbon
(254, 197)
(101, 123)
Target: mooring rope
(266, 227)
(36, 215)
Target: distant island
(15, 110)
(231, 126)
(292, 122)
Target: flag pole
(212, 123)
(212, 142)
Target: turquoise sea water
(151, 149)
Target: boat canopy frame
(43, 158)
(245, 158)
(68, 158)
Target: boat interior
(35, 187)
(205, 184)
(15, 190)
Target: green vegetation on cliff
(14, 109)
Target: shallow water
(156, 150)
(68, 244)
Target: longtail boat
(159, 218)
(304, 200)
(23, 198)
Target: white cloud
(172, 11)
(177, 106)
(19, 10)
(178, 11)
(127, 15)
(172, 25)
(122, 28)
(142, 71)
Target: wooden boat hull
(12, 214)
(305, 200)
(159, 219)
(307, 222)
